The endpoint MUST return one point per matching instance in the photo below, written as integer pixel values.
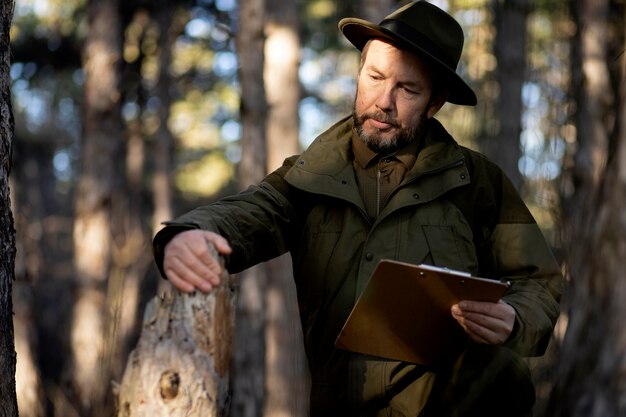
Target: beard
(376, 142)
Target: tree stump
(180, 366)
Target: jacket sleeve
(256, 222)
(523, 257)
(510, 246)
(520, 254)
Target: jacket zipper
(378, 191)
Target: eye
(409, 91)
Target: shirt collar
(363, 155)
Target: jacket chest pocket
(449, 248)
(437, 237)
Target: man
(390, 182)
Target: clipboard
(404, 312)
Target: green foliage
(47, 85)
(205, 175)
(46, 18)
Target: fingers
(187, 272)
(188, 262)
(475, 331)
(221, 244)
(490, 323)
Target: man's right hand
(188, 262)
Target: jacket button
(369, 256)
(462, 176)
(416, 196)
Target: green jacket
(454, 209)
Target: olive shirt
(453, 208)
(378, 175)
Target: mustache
(379, 116)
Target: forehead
(383, 55)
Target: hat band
(419, 39)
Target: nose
(385, 100)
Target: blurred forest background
(130, 112)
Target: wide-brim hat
(425, 28)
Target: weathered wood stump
(180, 366)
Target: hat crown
(427, 25)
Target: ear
(437, 101)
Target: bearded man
(388, 182)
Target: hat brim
(359, 31)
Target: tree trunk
(180, 366)
(27, 377)
(132, 256)
(30, 173)
(589, 377)
(510, 51)
(282, 85)
(249, 346)
(8, 399)
(100, 173)
(164, 141)
(594, 101)
(286, 382)
(253, 114)
(43, 290)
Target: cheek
(361, 102)
(411, 116)
(366, 92)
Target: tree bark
(180, 366)
(8, 398)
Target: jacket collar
(439, 152)
(326, 166)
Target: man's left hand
(485, 322)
